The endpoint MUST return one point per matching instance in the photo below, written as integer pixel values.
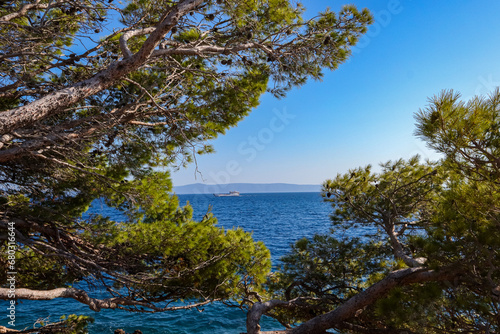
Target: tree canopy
(421, 252)
(98, 97)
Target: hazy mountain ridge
(200, 188)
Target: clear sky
(362, 113)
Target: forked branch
(355, 304)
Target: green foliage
(324, 272)
(179, 253)
(187, 36)
(393, 198)
(37, 271)
(412, 309)
(466, 219)
(466, 132)
(74, 324)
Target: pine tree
(414, 247)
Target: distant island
(201, 188)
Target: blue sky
(362, 113)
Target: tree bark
(256, 312)
(93, 303)
(349, 309)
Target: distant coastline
(201, 188)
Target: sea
(277, 219)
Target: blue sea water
(277, 219)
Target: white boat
(230, 194)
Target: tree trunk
(357, 303)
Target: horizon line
(222, 184)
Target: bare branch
(126, 36)
(25, 9)
(207, 49)
(95, 304)
(148, 124)
(399, 251)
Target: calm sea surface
(276, 219)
